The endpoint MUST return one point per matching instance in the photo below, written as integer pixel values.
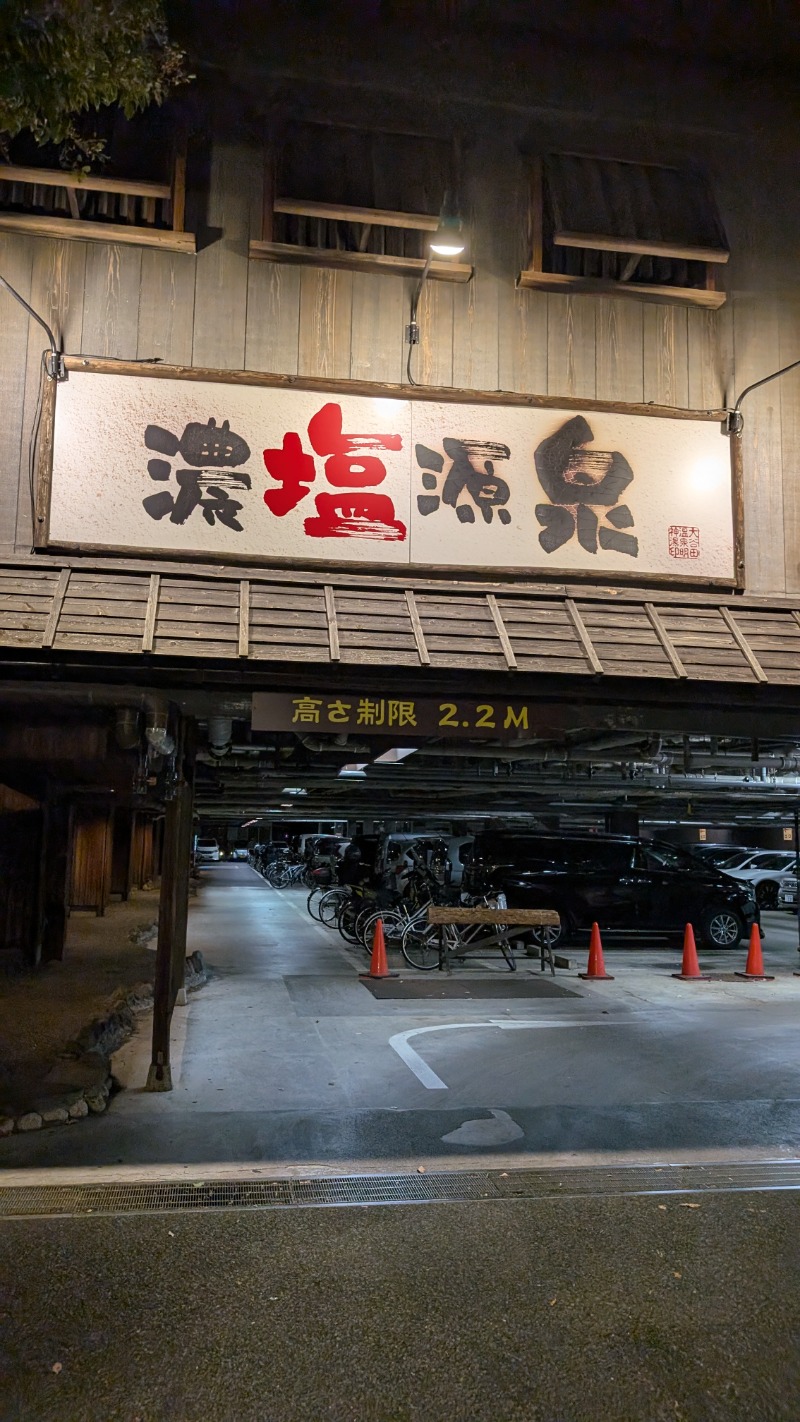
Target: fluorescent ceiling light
(355, 771)
(293, 790)
(393, 756)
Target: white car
(787, 894)
(206, 851)
(765, 871)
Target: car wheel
(767, 894)
(722, 928)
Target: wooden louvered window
(138, 196)
(338, 196)
(630, 229)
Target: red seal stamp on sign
(684, 542)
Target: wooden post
(269, 193)
(108, 854)
(122, 853)
(178, 196)
(173, 910)
(56, 857)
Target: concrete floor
(286, 1058)
(652, 1308)
(593, 1310)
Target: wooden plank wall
(92, 846)
(220, 309)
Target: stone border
(88, 1058)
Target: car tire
(722, 928)
(767, 894)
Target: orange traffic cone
(378, 966)
(690, 968)
(596, 968)
(754, 967)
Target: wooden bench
(503, 920)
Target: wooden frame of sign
(416, 393)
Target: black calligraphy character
(578, 481)
(471, 470)
(210, 449)
(197, 492)
(204, 446)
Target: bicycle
(330, 906)
(420, 943)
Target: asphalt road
(592, 1310)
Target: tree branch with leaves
(62, 60)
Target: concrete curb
(81, 1080)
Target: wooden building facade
(227, 307)
(631, 221)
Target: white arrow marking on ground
(400, 1042)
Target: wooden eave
(144, 612)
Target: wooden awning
(248, 617)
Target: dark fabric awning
(248, 617)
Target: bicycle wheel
(394, 922)
(365, 917)
(347, 920)
(420, 946)
(313, 902)
(330, 906)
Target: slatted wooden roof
(272, 616)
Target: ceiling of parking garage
(689, 754)
(287, 775)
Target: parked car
(764, 871)
(206, 851)
(720, 854)
(623, 884)
(787, 893)
(240, 851)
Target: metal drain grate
(245, 1194)
(648, 1179)
(547, 1183)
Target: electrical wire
(409, 377)
(413, 328)
(34, 445)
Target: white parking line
(303, 913)
(400, 1041)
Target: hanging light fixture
(448, 240)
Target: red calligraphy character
(293, 469)
(348, 465)
(358, 515)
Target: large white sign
(260, 471)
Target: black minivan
(628, 885)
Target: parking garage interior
(288, 1054)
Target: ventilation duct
(157, 729)
(220, 735)
(126, 728)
